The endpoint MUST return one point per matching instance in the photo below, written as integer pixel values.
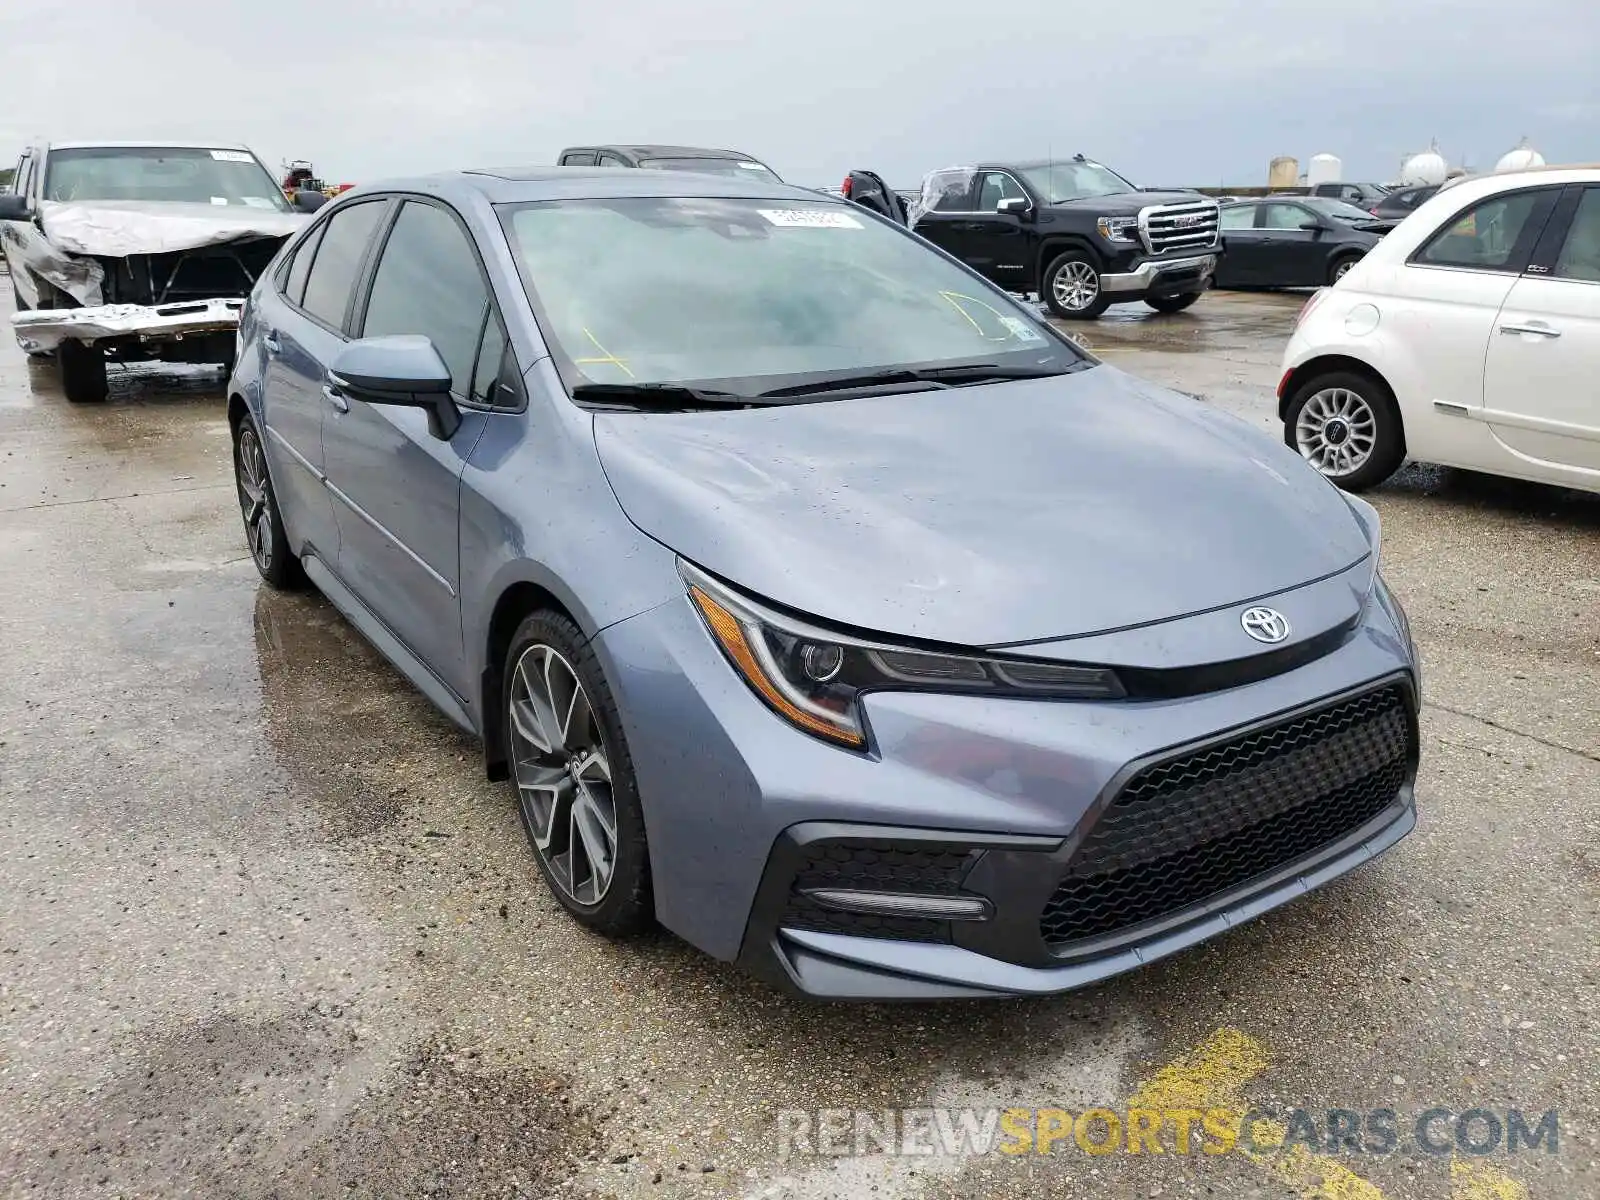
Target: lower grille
(1193, 827)
(876, 866)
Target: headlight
(1117, 229)
(814, 678)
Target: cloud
(1169, 91)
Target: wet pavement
(266, 931)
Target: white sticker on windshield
(1021, 330)
(752, 166)
(230, 156)
(802, 218)
(219, 200)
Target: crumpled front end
(41, 330)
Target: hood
(977, 516)
(1129, 204)
(116, 228)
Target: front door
(995, 243)
(397, 487)
(1541, 380)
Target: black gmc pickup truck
(1074, 232)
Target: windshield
(740, 168)
(167, 173)
(1337, 209)
(743, 293)
(1060, 182)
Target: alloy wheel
(1343, 269)
(1336, 431)
(563, 774)
(1076, 285)
(255, 498)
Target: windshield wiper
(660, 395)
(937, 376)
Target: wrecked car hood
(116, 228)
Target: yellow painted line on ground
(1214, 1075)
(1477, 1181)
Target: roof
(515, 185)
(1577, 172)
(147, 144)
(647, 151)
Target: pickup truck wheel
(83, 372)
(1072, 287)
(1172, 304)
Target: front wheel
(1172, 304)
(83, 372)
(1348, 427)
(1072, 287)
(575, 784)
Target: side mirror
(1014, 205)
(402, 369)
(15, 208)
(309, 201)
(1313, 226)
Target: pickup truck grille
(1169, 227)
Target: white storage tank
(1324, 168)
(1284, 172)
(1426, 168)
(1521, 158)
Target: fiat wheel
(1347, 427)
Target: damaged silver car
(135, 252)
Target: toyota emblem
(1265, 624)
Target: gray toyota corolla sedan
(818, 600)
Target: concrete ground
(265, 930)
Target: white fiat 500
(1470, 336)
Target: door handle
(333, 396)
(1538, 329)
(270, 341)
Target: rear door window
(1239, 216)
(294, 279)
(1580, 253)
(337, 263)
(578, 158)
(428, 281)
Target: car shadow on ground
(1455, 487)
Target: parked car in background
(137, 251)
(1402, 202)
(1362, 195)
(1074, 232)
(1469, 336)
(734, 163)
(749, 534)
(1306, 241)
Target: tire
(1357, 410)
(258, 505)
(1072, 287)
(1172, 304)
(1338, 267)
(83, 372)
(576, 791)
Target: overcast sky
(1168, 91)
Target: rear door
(946, 219)
(396, 487)
(1243, 247)
(1541, 379)
(302, 328)
(21, 239)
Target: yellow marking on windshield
(954, 300)
(608, 357)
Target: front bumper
(45, 329)
(1158, 276)
(1256, 819)
(998, 795)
